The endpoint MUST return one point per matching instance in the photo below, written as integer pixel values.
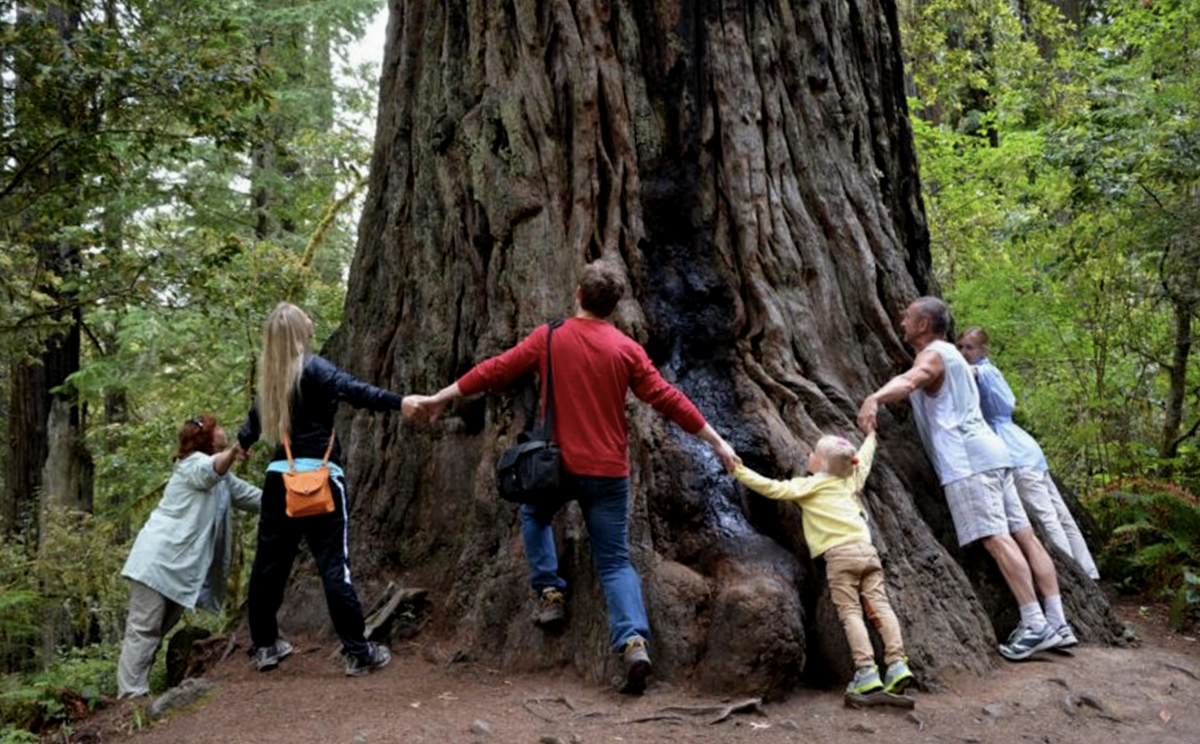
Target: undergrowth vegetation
(1153, 543)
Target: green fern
(70, 687)
(1154, 543)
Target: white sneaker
(1066, 636)
(1025, 642)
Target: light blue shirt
(305, 464)
(184, 548)
(997, 401)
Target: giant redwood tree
(749, 165)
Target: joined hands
(422, 407)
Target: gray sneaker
(377, 657)
(1066, 636)
(898, 677)
(267, 658)
(637, 665)
(551, 610)
(1025, 642)
(866, 681)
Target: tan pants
(151, 617)
(856, 585)
(1045, 505)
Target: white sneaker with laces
(1026, 641)
(1066, 636)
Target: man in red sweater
(595, 366)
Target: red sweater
(595, 364)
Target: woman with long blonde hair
(298, 395)
(286, 339)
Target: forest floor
(1148, 693)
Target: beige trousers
(151, 617)
(856, 584)
(1045, 505)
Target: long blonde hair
(285, 340)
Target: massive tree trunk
(750, 166)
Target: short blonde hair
(838, 456)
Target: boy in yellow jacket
(835, 527)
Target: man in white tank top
(974, 468)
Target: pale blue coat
(183, 552)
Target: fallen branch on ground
(709, 713)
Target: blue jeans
(605, 506)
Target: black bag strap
(547, 403)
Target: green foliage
(104, 107)
(1059, 168)
(17, 736)
(1154, 543)
(171, 267)
(67, 592)
(979, 64)
(77, 573)
(67, 690)
(1184, 611)
(186, 165)
(131, 138)
(20, 603)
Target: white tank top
(956, 437)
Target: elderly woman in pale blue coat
(181, 558)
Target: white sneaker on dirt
(1066, 636)
(1026, 641)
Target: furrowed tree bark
(750, 167)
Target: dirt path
(1148, 694)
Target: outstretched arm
(225, 458)
(729, 459)
(429, 407)
(496, 373)
(926, 373)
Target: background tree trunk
(750, 166)
(44, 419)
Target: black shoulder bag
(528, 473)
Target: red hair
(197, 435)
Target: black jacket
(322, 386)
